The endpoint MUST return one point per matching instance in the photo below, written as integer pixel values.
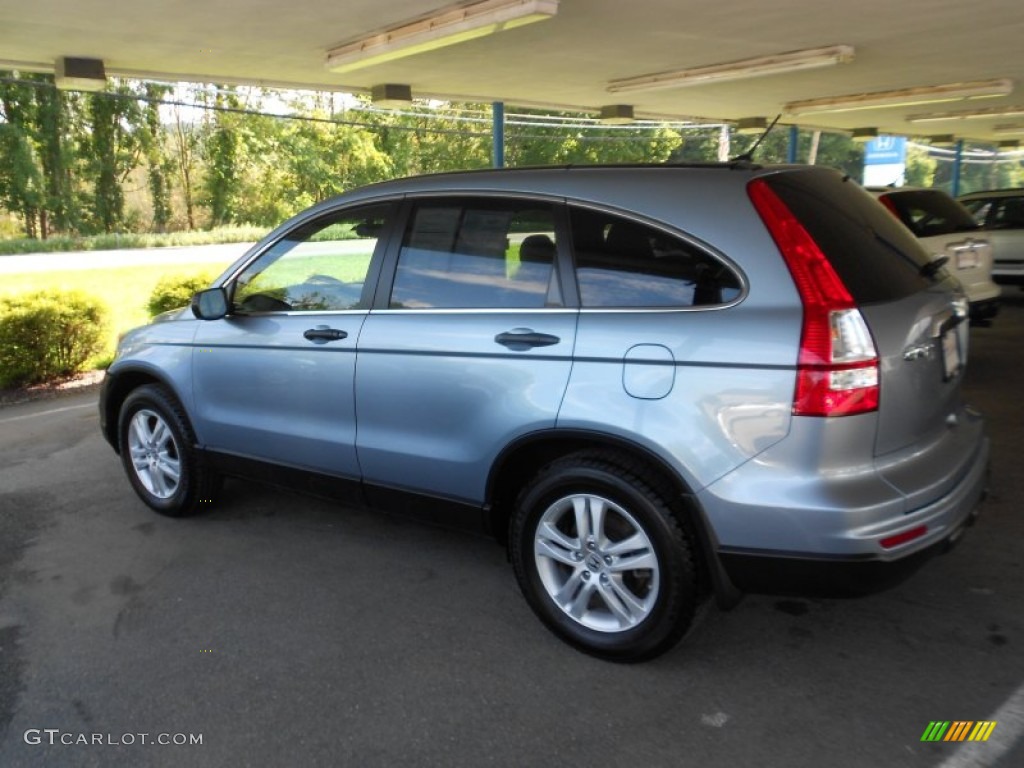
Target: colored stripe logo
(958, 730)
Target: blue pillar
(498, 131)
(794, 142)
(957, 162)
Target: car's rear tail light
(888, 203)
(837, 369)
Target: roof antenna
(748, 156)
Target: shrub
(175, 291)
(47, 335)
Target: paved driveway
(286, 631)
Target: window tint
(477, 254)
(877, 258)
(320, 266)
(978, 208)
(621, 263)
(1007, 213)
(929, 213)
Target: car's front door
(470, 349)
(274, 379)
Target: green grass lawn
(125, 290)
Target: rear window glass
(877, 258)
(929, 213)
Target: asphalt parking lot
(288, 631)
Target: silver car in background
(1000, 212)
(655, 384)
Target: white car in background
(1000, 212)
(949, 231)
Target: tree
(21, 187)
(114, 150)
(220, 151)
(158, 163)
(56, 158)
(184, 135)
(36, 155)
(543, 144)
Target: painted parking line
(1007, 733)
(47, 413)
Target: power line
(511, 136)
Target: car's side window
(623, 263)
(474, 253)
(320, 266)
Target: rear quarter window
(877, 258)
(622, 263)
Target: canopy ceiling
(567, 61)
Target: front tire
(602, 559)
(158, 453)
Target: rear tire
(158, 453)
(601, 558)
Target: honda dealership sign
(885, 161)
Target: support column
(794, 143)
(498, 134)
(958, 159)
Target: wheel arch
(524, 457)
(116, 388)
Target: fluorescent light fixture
(975, 114)
(1010, 143)
(751, 125)
(617, 114)
(391, 96)
(864, 134)
(77, 74)
(928, 94)
(942, 140)
(1008, 129)
(447, 26)
(779, 63)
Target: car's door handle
(524, 338)
(323, 333)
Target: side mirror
(211, 304)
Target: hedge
(175, 291)
(49, 335)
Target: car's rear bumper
(786, 572)
(771, 573)
(795, 523)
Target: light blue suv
(655, 384)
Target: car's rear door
(468, 347)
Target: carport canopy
(916, 67)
